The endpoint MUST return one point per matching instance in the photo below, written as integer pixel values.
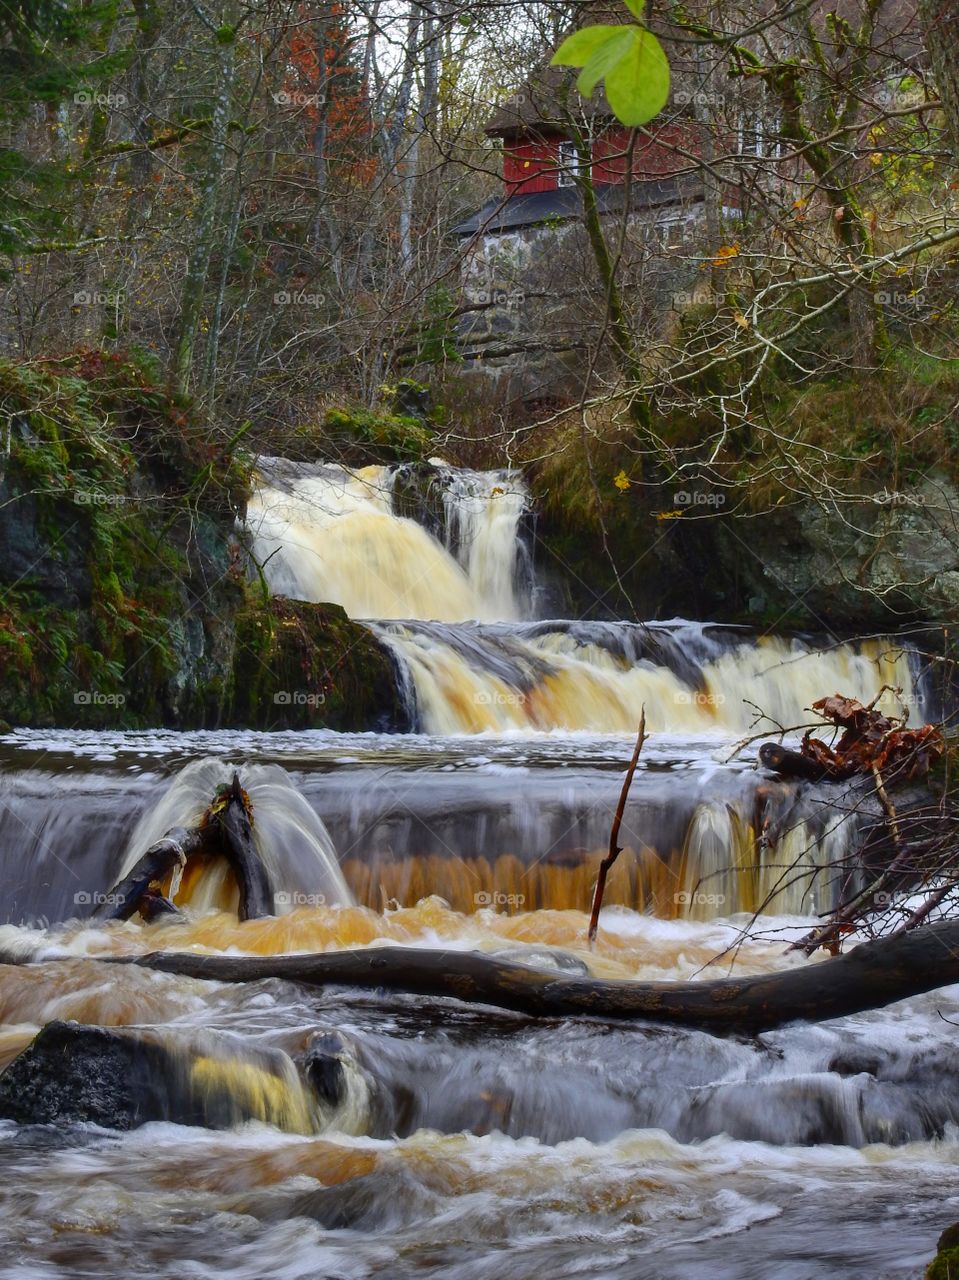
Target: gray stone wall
(535, 306)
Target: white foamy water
(290, 837)
(327, 534)
(486, 1145)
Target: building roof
(535, 207)
(541, 105)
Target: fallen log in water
(159, 861)
(225, 830)
(235, 825)
(870, 976)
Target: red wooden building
(540, 158)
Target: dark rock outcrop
(122, 1077)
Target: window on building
(759, 129)
(568, 164)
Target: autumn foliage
(325, 86)
(871, 741)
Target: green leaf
(637, 87)
(637, 8)
(606, 57)
(577, 49)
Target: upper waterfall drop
(326, 533)
(432, 558)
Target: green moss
(300, 665)
(945, 1265)
(108, 488)
(358, 436)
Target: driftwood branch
(235, 826)
(870, 976)
(614, 849)
(168, 855)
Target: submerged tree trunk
(225, 830)
(236, 837)
(160, 859)
(872, 975)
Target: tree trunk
(159, 860)
(940, 26)
(204, 230)
(236, 837)
(870, 976)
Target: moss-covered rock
(357, 436)
(725, 545)
(945, 1265)
(117, 545)
(305, 666)
(125, 599)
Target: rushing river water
(371, 1135)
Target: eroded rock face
(884, 554)
(123, 1077)
(869, 561)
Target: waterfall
(690, 678)
(324, 533)
(431, 557)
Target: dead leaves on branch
(871, 741)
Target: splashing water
(556, 675)
(291, 839)
(327, 534)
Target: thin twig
(888, 807)
(614, 849)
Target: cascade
(448, 592)
(323, 533)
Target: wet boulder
(333, 1069)
(123, 1077)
